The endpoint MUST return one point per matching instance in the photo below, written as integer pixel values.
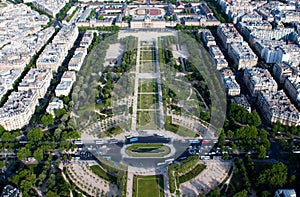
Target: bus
(134, 139)
(78, 142)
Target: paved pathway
(136, 88)
(160, 102)
(215, 173)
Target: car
(113, 141)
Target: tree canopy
(35, 134)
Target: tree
(47, 119)
(221, 140)
(51, 194)
(242, 193)
(23, 153)
(35, 134)
(38, 154)
(60, 112)
(275, 176)
(7, 136)
(266, 194)
(261, 152)
(2, 130)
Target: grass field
(147, 101)
(148, 186)
(147, 55)
(100, 172)
(147, 120)
(147, 67)
(147, 85)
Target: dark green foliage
(240, 114)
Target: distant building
(54, 105)
(228, 34)
(36, 79)
(242, 101)
(231, 86)
(18, 109)
(208, 38)
(242, 55)
(257, 79)
(276, 106)
(285, 193)
(66, 83)
(10, 191)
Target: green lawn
(147, 101)
(112, 132)
(179, 130)
(147, 55)
(147, 119)
(147, 85)
(147, 67)
(101, 173)
(148, 186)
(148, 150)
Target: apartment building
(76, 61)
(87, 38)
(66, 83)
(66, 36)
(242, 101)
(282, 70)
(52, 57)
(228, 34)
(52, 7)
(276, 106)
(36, 79)
(54, 105)
(292, 87)
(208, 38)
(18, 109)
(258, 79)
(54, 53)
(242, 55)
(218, 57)
(231, 86)
(7, 79)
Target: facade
(7, 78)
(242, 55)
(54, 53)
(76, 61)
(208, 38)
(292, 87)
(54, 105)
(231, 86)
(65, 86)
(10, 191)
(282, 70)
(38, 80)
(258, 79)
(276, 106)
(228, 34)
(242, 101)
(218, 57)
(285, 193)
(18, 109)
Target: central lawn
(148, 186)
(147, 120)
(147, 67)
(147, 55)
(147, 101)
(147, 85)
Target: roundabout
(151, 150)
